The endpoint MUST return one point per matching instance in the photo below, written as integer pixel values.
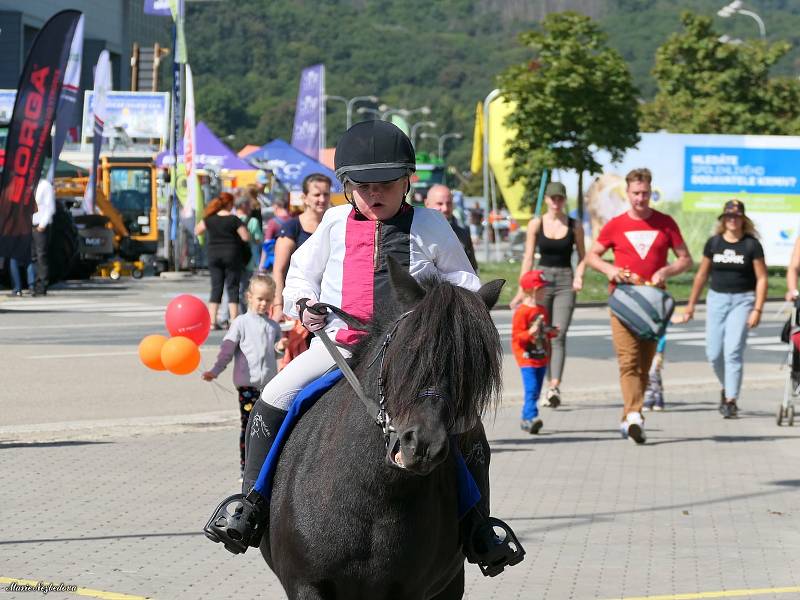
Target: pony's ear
(405, 287)
(491, 292)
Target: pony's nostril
(409, 439)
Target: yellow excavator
(113, 241)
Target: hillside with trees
(247, 55)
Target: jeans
(560, 303)
(726, 334)
(16, 278)
(532, 378)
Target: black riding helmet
(374, 152)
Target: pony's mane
(448, 340)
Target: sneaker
(532, 426)
(730, 410)
(635, 428)
(648, 407)
(17, 293)
(623, 430)
(553, 397)
(658, 407)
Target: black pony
(352, 519)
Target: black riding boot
(488, 542)
(240, 520)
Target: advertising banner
(102, 87)
(766, 177)
(67, 103)
(142, 115)
(157, 7)
(693, 176)
(7, 98)
(29, 131)
(189, 148)
(308, 134)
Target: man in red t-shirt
(641, 239)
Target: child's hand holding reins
(311, 319)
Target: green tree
(574, 97)
(708, 86)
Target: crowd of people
(243, 249)
(641, 239)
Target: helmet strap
(350, 200)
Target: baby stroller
(791, 336)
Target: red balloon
(188, 316)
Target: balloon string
(214, 382)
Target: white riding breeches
(302, 370)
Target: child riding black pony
(345, 263)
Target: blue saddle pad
(468, 492)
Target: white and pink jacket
(344, 262)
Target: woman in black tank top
(555, 236)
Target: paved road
(110, 470)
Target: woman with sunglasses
(733, 259)
(555, 235)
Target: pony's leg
(307, 591)
(454, 589)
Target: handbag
(644, 309)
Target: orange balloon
(180, 355)
(150, 352)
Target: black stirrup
(238, 522)
(490, 551)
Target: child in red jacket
(530, 342)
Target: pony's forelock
(448, 342)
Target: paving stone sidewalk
(706, 505)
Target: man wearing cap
(344, 263)
(441, 198)
(640, 239)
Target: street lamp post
(443, 138)
(350, 104)
(736, 7)
(404, 112)
(364, 110)
(487, 101)
(416, 126)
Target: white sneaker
(635, 427)
(553, 397)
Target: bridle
(382, 417)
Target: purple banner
(308, 134)
(157, 7)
